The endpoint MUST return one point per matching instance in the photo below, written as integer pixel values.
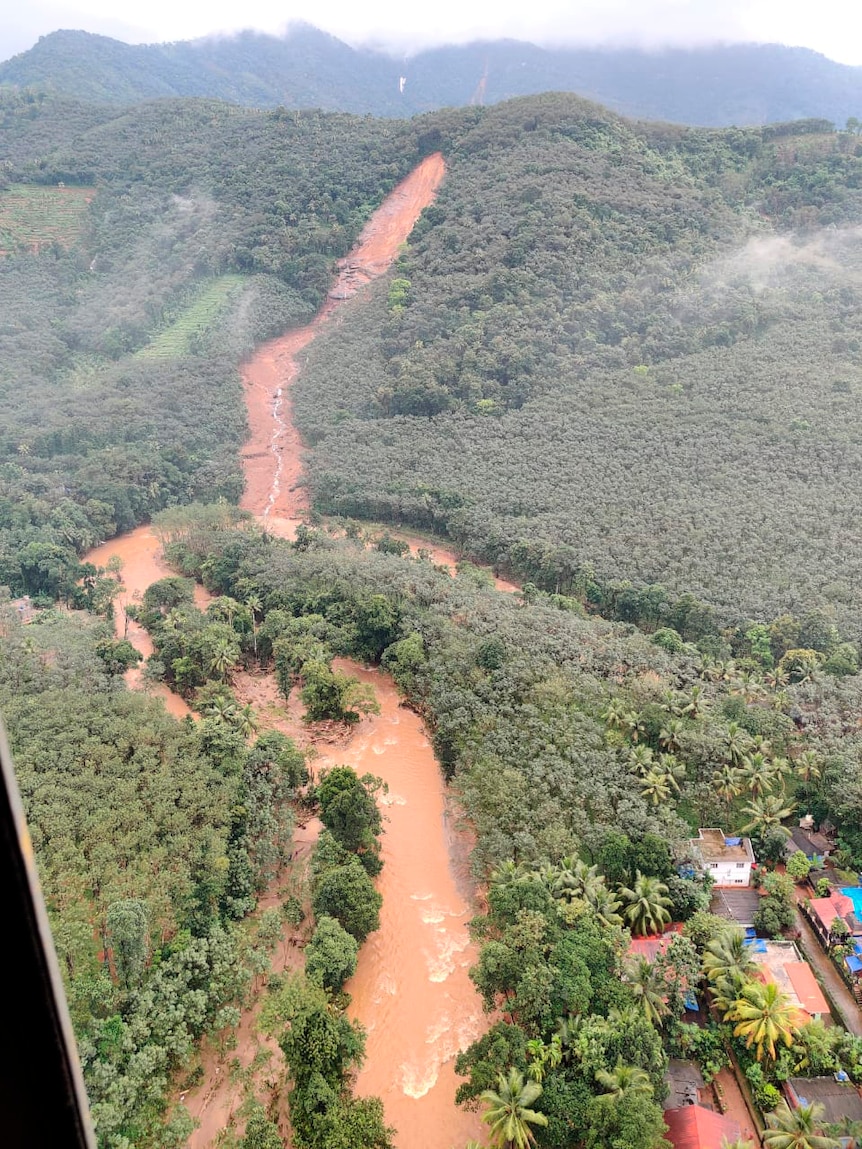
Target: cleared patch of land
(33, 216)
(189, 332)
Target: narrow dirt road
(830, 979)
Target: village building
(780, 962)
(816, 847)
(838, 1096)
(736, 905)
(695, 1127)
(823, 913)
(728, 861)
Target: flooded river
(411, 990)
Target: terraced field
(189, 331)
(33, 216)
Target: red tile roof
(694, 1127)
(828, 909)
(807, 990)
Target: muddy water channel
(411, 990)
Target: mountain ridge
(743, 84)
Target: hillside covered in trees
(620, 361)
(614, 352)
(120, 338)
(667, 318)
(715, 85)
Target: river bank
(411, 990)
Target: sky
(833, 27)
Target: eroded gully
(411, 990)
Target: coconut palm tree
(641, 760)
(221, 707)
(766, 813)
(222, 660)
(693, 706)
(623, 1079)
(568, 1028)
(246, 721)
(605, 904)
(728, 785)
(764, 1017)
(725, 992)
(669, 735)
(508, 1112)
(799, 1128)
(656, 788)
(633, 725)
(543, 1056)
(756, 775)
(647, 905)
(671, 768)
(737, 742)
(808, 767)
(575, 879)
(648, 989)
(614, 714)
(727, 956)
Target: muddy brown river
(411, 990)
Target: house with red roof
(780, 962)
(823, 913)
(694, 1127)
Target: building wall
(730, 873)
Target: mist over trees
(633, 356)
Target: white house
(728, 861)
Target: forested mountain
(721, 85)
(611, 353)
(667, 317)
(119, 341)
(615, 351)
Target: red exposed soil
(411, 989)
(272, 457)
(141, 555)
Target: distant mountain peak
(711, 86)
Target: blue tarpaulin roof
(854, 964)
(690, 1003)
(733, 841)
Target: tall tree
(765, 1017)
(508, 1110)
(647, 905)
(799, 1128)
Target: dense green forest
(585, 755)
(119, 342)
(641, 342)
(153, 839)
(715, 85)
(615, 352)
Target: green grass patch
(33, 216)
(189, 332)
